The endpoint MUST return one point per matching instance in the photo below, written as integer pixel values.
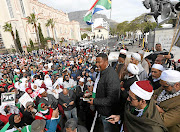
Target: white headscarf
(48, 81)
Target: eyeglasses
(131, 98)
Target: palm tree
(51, 23)
(8, 28)
(32, 20)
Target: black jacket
(107, 92)
(156, 84)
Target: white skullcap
(42, 90)
(136, 56)
(16, 70)
(170, 76)
(88, 78)
(158, 66)
(45, 65)
(141, 52)
(142, 89)
(123, 51)
(81, 79)
(23, 70)
(132, 68)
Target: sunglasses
(43, 106)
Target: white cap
(170, 76)
(23, 70)
(142, 89)
(132, 68)
(136, 56)
(123, 51)
(42, 90)
(88, 78)
(81, 79)
(158, 66)
(17, 70)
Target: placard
(8, 98)
(24, 99)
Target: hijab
(12, 123)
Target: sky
(122, 10)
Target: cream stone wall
(103, 32)
(63, 27)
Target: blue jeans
(108, 127)
(72, 112)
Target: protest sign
(24, 99)
(8, 98)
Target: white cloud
(122, 10)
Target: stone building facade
(16, 11)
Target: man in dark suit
(107, 92)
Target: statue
(165, 8)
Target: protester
(168, 99)
(72, 126)
(67, 100)
(154, 78)
(158, 53)
(67, 78)
(41, 125)
(140, 112)
(144, 63)
(136, 59)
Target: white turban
(132, 68)
(158, 66)
(136, 56)
(170, 76)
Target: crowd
(79, 90)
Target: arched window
(10, 8)
(22, 8)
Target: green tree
(18, 42)
(41, 36)
(33, 20)
(84, 36)
(31, 44)
(122, 28)
(8, 28)
(51, 23)
(89, 29)
(112, 31)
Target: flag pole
(109, 25)
(176, 31)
